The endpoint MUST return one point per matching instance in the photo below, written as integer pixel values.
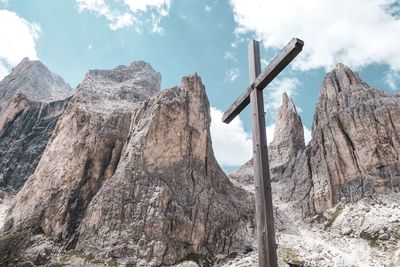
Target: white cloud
(122, 21)
(3, 71)
(307, 134)
(17, 40)
(230, 56)
(158, 9)
(115, 18)
(355, 32)
(207, 8)
(392, 80)
(232, 145)
(130, 13)
(264, 63)
(273, 93)
(143, 5)
(232, 74)
(156, 27)
(270, 132)
(183, 17)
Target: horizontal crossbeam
(291, 50)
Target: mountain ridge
(132, 164)
(127, 175)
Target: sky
(210, 37)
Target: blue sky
(210, 37)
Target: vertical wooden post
(264, 211)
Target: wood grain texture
(263, 198)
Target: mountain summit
(34, 80)
(288, 138)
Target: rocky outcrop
(365, 233)
(355, 145)
(288, 141)
(133, 175)
(288, 138)
(244, 176)
(27, 119)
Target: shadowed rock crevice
(31, 101)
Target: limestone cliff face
(174, 199)
(27, 119)
(133, 175)
(355, 145)
(84, 151)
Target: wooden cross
(254, 94)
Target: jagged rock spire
(287, 143)
(288, 137)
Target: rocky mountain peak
(120, 86)
(287, 104)
(340, 79)
(342, 89)
(33, 79)
(26, 64)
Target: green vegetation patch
(113, 262)
(292, 259)
(333, 218)
(372, 239)
(11, 246)
(89, 258)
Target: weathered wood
(287, 54)
(267, 256)
(264, 211)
